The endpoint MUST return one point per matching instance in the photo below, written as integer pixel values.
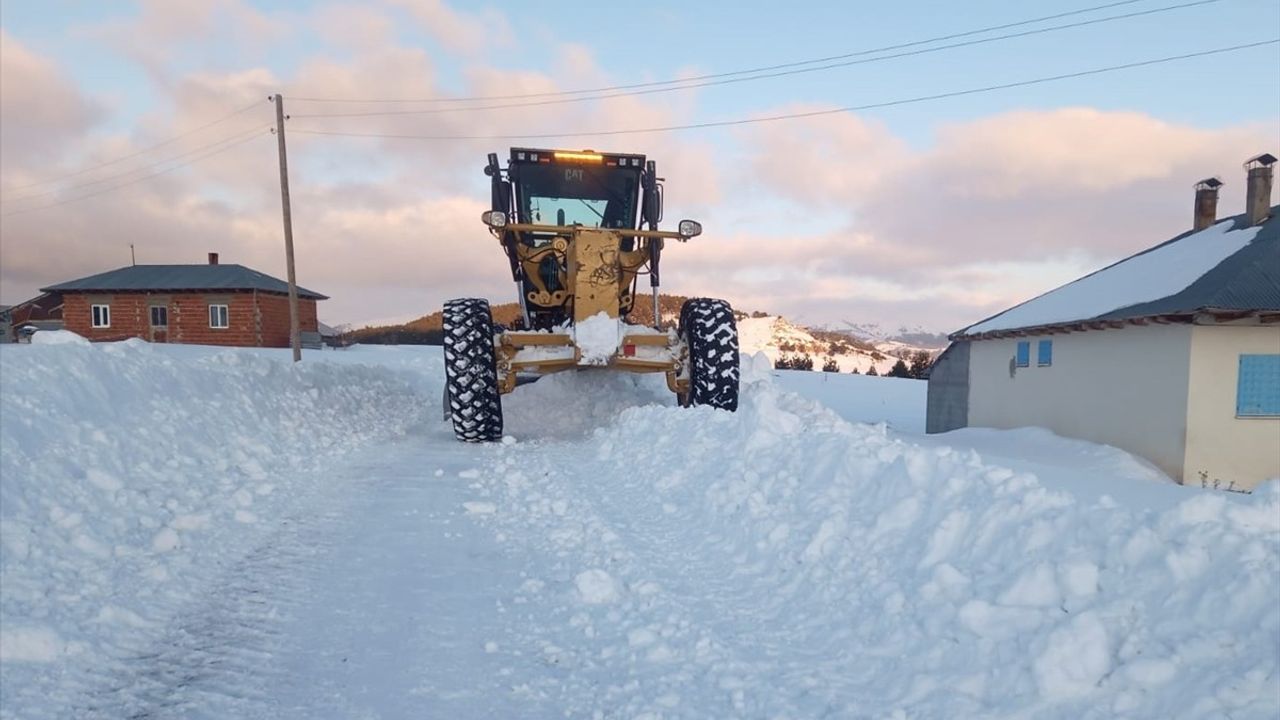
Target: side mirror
(689, 229)
(495, 219)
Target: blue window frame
(1258, 386)
(1024, 353)
(1044, 353)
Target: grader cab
(580, 228)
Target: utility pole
(295, 336)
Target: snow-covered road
(616, 557)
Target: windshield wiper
(597, 212)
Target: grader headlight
(690, 228)
(495, 219)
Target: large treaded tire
(711, 334)
(471, 372)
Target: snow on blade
(1164, 271)
(597, 338)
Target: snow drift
(776, 562)
(129, 474)
(780, 562)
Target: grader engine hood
(595, 273)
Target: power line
(214, 150)
(712, 76)
(143, 151)
(781, 73)
(815, 113)
(126, 173)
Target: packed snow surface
(1161, 272)
(200, 533)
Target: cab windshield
(577, 194)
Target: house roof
(1227, 267)
(181, 277)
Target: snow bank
(57, 337)
(129, 474)
(780, 562)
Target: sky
(148, 124)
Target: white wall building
(1172, 354)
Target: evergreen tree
(803, 362)
(855, 370)
(783, 362)
(900, 370)
(830, 365)
(920, 362)
(872, 372)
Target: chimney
(213, 258)
(1257, 204)
(1206, 209)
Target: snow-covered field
(191, 532)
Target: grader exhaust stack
(579, 229)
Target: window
(1024, 353)
(1258, 386)
(568, 193)
(1044, 353)
(101, 315)
(218, 316)
(159, 316)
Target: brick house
(43, 312)
(209, 304)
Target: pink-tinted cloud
(461, 32)
(993, 211)
(39, 108)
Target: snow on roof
(1163, 279)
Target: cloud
(375, 220)
(163, 34)
(461, 32)
(994, 211)
(40, 108)
(826, 219)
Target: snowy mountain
(852, 346)
(220, 533)
(776, 337)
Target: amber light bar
(579, 156)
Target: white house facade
(1172, 354)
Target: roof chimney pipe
(1257, 204)
(1206, 209)
(213, 258)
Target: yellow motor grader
(580, 228)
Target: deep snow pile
(130, 474)
(780, 562)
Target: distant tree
(759, 314)
(873, 372)
(830, 365)
(802, 362)
(900, 370)
(920, 362)
(854, 371)
(787, 347)
(876, 356)
(784, 362)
